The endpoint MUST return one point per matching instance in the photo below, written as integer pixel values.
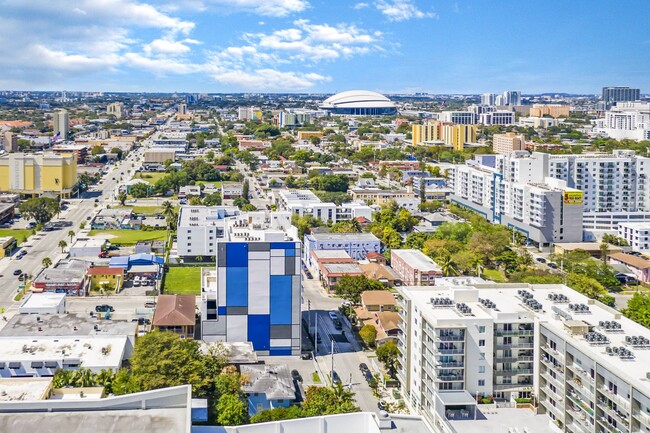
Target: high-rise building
(182, 108)
(584, 363)
(488, 99)
(254, 294)
(39, 173)
(116, 109)
(507, 143)
(249, 113)
(620, 94)
(511, 97)
(626, 120)
(458, 117)
(499, 117)
(61, 122)
(10, 141)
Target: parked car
(338, 325)
(150, 304)
(295, 375)
(363, 367)
(552, 265)
(18, 272)
(541, 259)
(104, 308)
(381, 405)
(333, 315)
(306, 356)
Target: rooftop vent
(638, 342)
(610, 326)
(464, 309)
(596, 338)
(579, 308)
(558, 298)
(442, 302)
(621, 352)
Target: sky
(324, 46)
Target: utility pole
(332, 352)
(316, 337)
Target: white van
(136, 281)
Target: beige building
(553, 110)
(61, 123)
(379, 196)
(116, 109)
(10, 141)
(507, 143)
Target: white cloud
(402, 10)
(270, 8)
(359, 6)
(269, 79)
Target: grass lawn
(215, 183)
(149, 210)
(131, 237)
(20, 235)
(150, 177)
(183, 281)
(494, 275)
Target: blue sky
(324, 46)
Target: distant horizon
(319, 46)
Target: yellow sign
(573, 197)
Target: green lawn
(215, 183)
(183, 281)
(131, 237)
(148, 210)
(20, 235)
(152, 177)
(495, 275)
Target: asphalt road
(45, 244)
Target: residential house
(382, 273)
(378, 300)
(639, 266)
(176, 313)
(267, 387)
(104, 277)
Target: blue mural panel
(236, 255)
(237, 287)
(280, 351)
(281, 299)
(259, 331)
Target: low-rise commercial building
(38, 173)
(357, 245)
(305, 202)
(414, 268)
(107, 279)
(199, 228)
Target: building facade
(626, 120)
(61, 124)
(357, 245)
(199, 229)
(637, 234)
(507, 143)
(38, 173)
(620, 94)
(414, 268)
(254, 294)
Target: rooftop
(43, 300)
(378, 297)
(331, 254)
(175, 310)
(205, 215)
(553, 315)
(341, 268)
(349, 237)
(630, 260)
(502, 420)
(72, 324)
(24, 389)
(272, 380)
(417, 260)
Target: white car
(333, 315)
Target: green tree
(368, 334)
(41, 209)
(245, 189)
(213, 199)
(326, 401)
(122, 196)
(387, 354)
(62, 245)
(277, 414)
(71, 235)
(638, 308)
(124, 382)
(97, 150)
(139, 190)
(163, 359)
(351, 288)
(47, 262)
(231, 410)
(447, 266)
(586, 285)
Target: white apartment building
(507, 143)
(629, 120)
(585, 364)
(637, 234)
(304, 202)
(488, 99)
(458, 117)
(61, 123)
(357, 245)
(543, 209)
(538, 122)
(200, 227)
(499, 117)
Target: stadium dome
(359, 103)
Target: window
(481, 368)
(482, 355)
(481, 343)
(481, 382)
(481, 329)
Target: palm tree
(62, 245)
(71, 234)
(83, 378)
(167, 208)
(47, 262)
(342, 394)
(62, 378)
(604, 250)
(447, 266)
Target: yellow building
(457, 135)
(106, 278)
(450, 134)
(305, 135)
(553, 110)
(27, 173)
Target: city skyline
(390, 46)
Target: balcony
(521, 333)
(449, 337)
(514, 371)
(581, 405)
(448, 351)
(449, 378)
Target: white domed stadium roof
(357, 99)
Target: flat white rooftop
(87, 349)
(24, 389)
(417, 260)
(504, 420)
(43, 300)
(509, 307)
